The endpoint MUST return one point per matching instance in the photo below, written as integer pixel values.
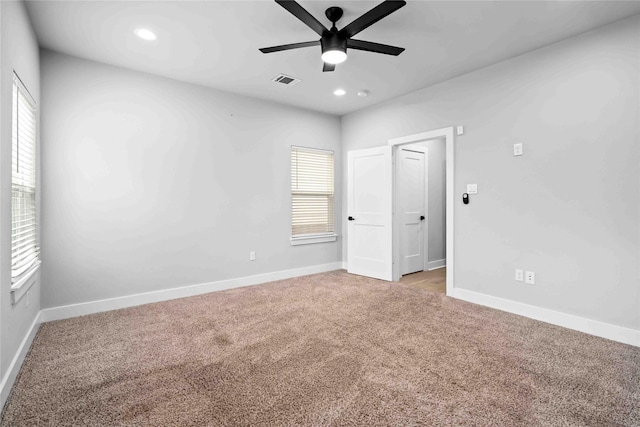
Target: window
(24, 243)
(312, 212)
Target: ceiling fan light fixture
(335, 56)
(334, 48)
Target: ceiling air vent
(285, 80)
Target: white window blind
(24, 245)
(311, 191)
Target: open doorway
(439, 216)
(372, 220)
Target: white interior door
(411, 184)
(369, 210)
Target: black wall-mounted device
(465, 198)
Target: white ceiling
(215, 43)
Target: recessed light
(339, 92)
(145, 34)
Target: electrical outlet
(460, 130)
(519, 275)
(252, 256)
(517, 149)
(530, 277)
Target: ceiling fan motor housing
(333, 41)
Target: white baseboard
(344, 265)
(81, 309)
(434, 265)
(16, 363)
(582, 324)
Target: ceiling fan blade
(328, 67)
(289, 46)
(374, 15)
(301, 13)
(374, 47)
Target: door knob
(351, 218)
(421, 217)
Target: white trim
(434, 265)
(450, 161)
(318, 150)
(425, 233)
(82, 309)
(18, 81)
(582, 324)
(22, 286)
(313, 238)
(345, 266)
(18, 360)
(448, 134)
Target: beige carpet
(327, 349)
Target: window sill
(22, 286)
(313, 238)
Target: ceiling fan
(334, 42)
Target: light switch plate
(518, 150)
(519, 275)
(460, 130)
(472, 188)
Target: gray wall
(19, 52)
(437, 203)
(568, 209)
(151, 183)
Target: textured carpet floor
(327, 349)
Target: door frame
(425, 205)
(448, 134)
